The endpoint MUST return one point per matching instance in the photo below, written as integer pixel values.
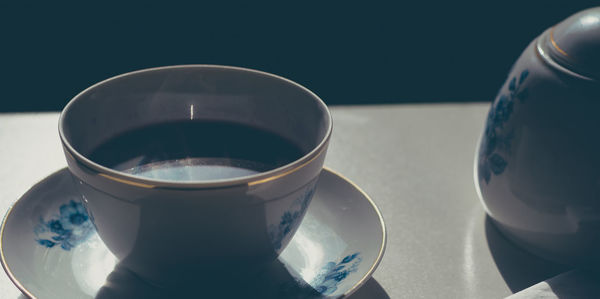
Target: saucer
(50, 249)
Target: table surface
(415, 161)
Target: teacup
(159, 227)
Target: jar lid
(575, 43)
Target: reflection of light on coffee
(197, 169)
(92, 262)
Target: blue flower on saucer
(332, 274)
(69, 228)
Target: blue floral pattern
(332, 274)
(290, 218)
(72, 226)
(496, 138)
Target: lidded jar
(537, 166)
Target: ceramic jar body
(537, 166)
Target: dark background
(347, 53)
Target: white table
(416, 162)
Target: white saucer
(49, 248)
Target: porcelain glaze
(337, 247)
(537, 164)
(156, 228)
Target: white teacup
(158, 228)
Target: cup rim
(138, 181)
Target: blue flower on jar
(496, 137)
(504, 108)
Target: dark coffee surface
(195, 150)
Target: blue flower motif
(495, 136)
(504, 108)
(512, 85)
(69, 228)
(56, 227)
(332, 274)
(349, 258)
(73, 213)
(46, 243)
(325, 290)
(523, 76)
(289, 219)
(337, 276)
(497, 164)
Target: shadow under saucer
(275, 281)
(50, 249)
(370, 290)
